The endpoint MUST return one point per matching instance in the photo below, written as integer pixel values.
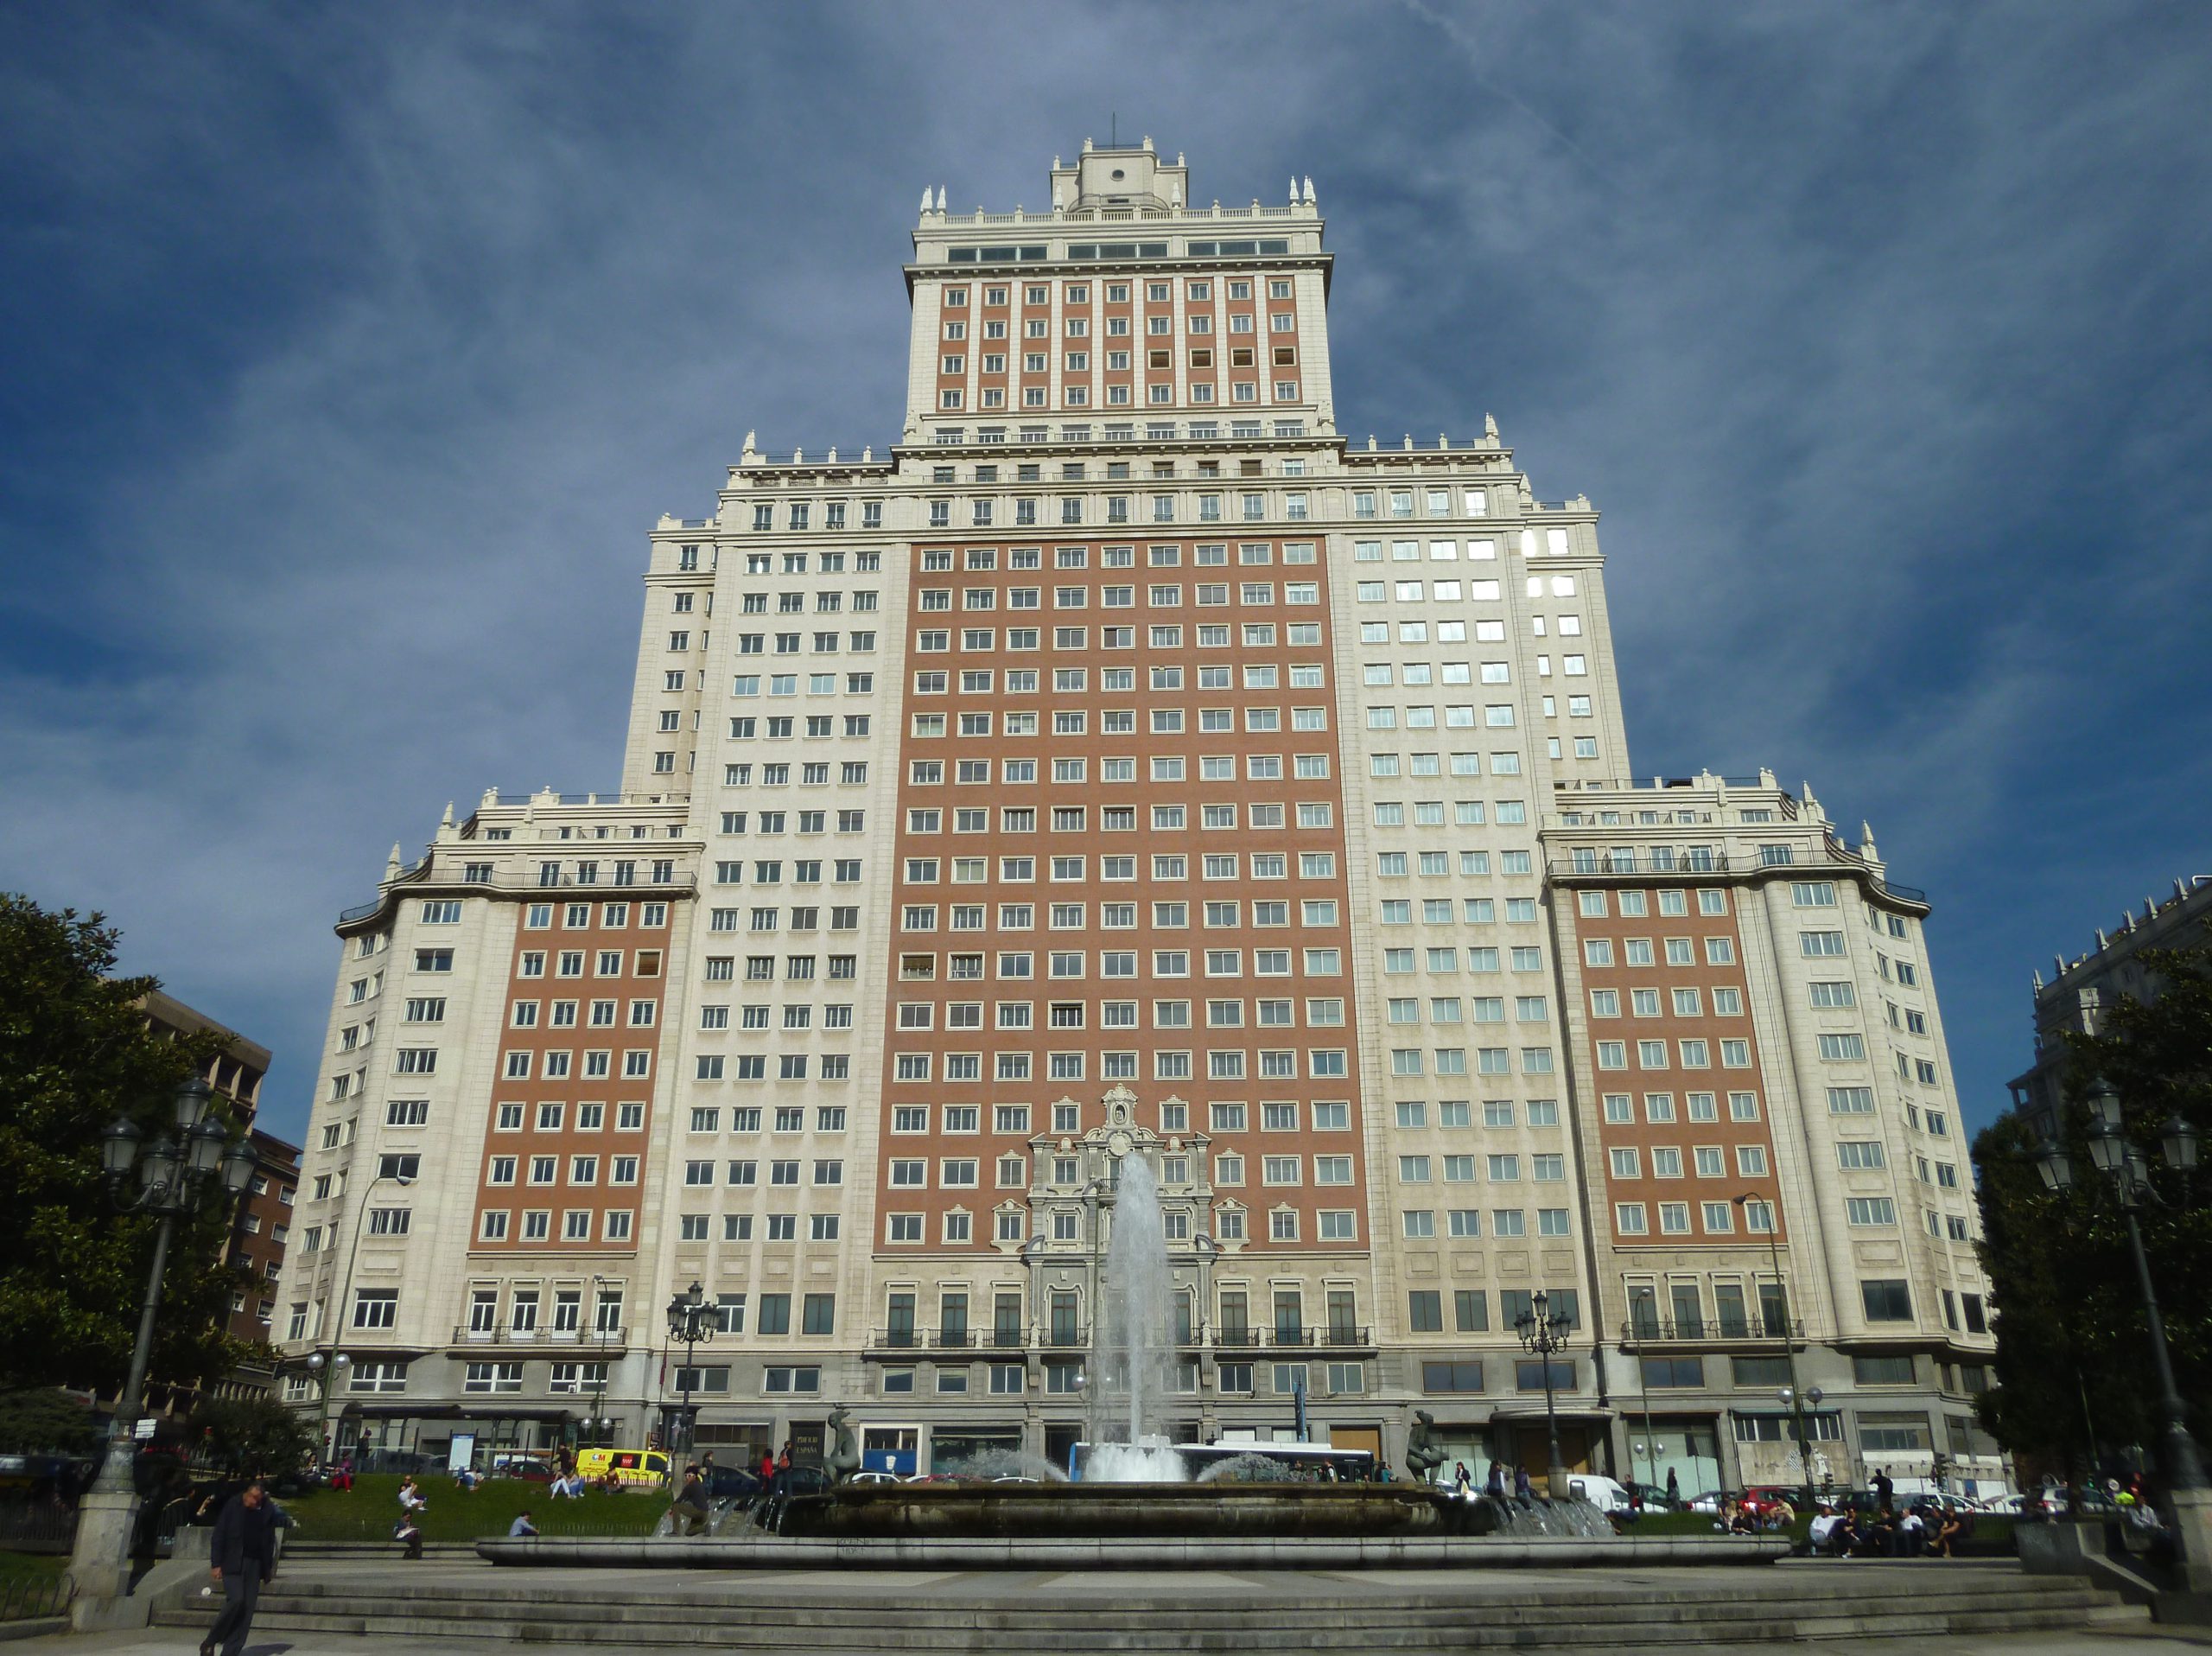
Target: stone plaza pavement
(926, 1611)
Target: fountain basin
(885, 1511)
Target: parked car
(731, 1483)
(1603, 1493)
(530, 1467)
(1654, 1497)
(874, 1477)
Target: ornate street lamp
(691, 1323)
(2125, 1177)
(176, 1177)
(1542, 1334)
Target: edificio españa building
(1124, 763)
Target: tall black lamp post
(1789, 1343)
(2127, 1178)
(1543, 1335)
(691, 1323)
(175, 1178)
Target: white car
(1604, 1494)
(874, 1477)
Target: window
(1886, 1300)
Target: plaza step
(747, 1614)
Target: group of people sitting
(1920, 1532)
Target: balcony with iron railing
(1639, 1333)
(578, 1340)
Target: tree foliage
(48, 1418)
(252, 1435)
(75, 1053)
(2073, 1344)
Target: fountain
(1134, 1502)
(1134, 1340)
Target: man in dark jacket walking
(241, 1553)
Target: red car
(1767, 1500)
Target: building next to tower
(1124, 762)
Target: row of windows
(746, 1172)
(952, 399)
(769, 871)
(790, 1067)
(1158, 596)
(772, 823)
(803, 918)
(1021, 965)
(572, 963)
(761, 968)
(799, 1015)
(1659, 1107)
(786, 644)
(774, 1227)
(1212, 636)
(1429, 813)
(785, 1119)
(1460, 715)
(1116, 1015)
(1692, 1054)
(1155, 322)
(494, 1225)
(801, 516)
(1472, 911)
(523, 1015)
(1634, 905)
(1489, 1060)
(1727, 1003)
(975, 870)
(1023, 681)
(1479, 959)
(511, 1116)
(1637, 952)
(1707, 1162)
(817, 683)
(1714, 1219)
(1321, 1064)
(1472, 865)
(546, 1169)
(636, 1066)
(575, 916)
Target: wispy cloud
(350, 357)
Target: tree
(252, 1435)
(2072, 1343)
(46, 1419)
(75, 1053)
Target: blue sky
(348, 353)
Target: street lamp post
(2127, 1177)
(1789, 1393)
(1543, 1335)
(326, 1426)
(173, 1181)
(691, 1323)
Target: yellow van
(629, 1467)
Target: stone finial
(2037, 976)
(1293, 189)
(1443, 440)
(940, 198)
(1766, 777)
(1056, 163)
(1408, 441)
(925, 198)
(1179, 157)
(799, 457)
(1087, 146)
(1490, 427)
(391, 863)
(1370, 443)
(445, 821)
(2150, 908)
(1309, 190)
(867, 454)
(2102, 941)
(490, 798)
(833, 453)
(1147, 143)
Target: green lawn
(367, 1512)
(33, 1564)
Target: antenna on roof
(1113, 131)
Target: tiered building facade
(1124, 762)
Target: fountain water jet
(1135, 1336)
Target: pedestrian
(241, 1555)
(411, 1495)
(1463, 1482)
(1524, 1490)
(522, 1527)
(687, 1516)
(1912, 1534)
(1954, 1525)
(781, 1483)
(1674, 1490)
(1885, 1490)
(1494, 1486)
